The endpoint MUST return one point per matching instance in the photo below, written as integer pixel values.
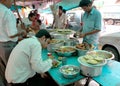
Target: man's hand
(23, 26)
(82, 35)
(44, 75)
(23, 33)
(54, 62)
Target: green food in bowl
(88, 60)
(102, 54)
(70, 71)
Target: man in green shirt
(91, 23)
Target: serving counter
(110, 74)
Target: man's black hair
(31, 15)
(64, 11)
(18, 20)
(43, 32)
(39, 21)
(35, 11)
(60, 7)
(85, 3)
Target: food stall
(109, 77)
(102, 69)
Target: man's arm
(36, 60)
(89, 33)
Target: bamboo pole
(17, 11)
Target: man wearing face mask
(91, 23)
(25, 63)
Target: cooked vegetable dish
(65, 49)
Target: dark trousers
(37, 81)
(5, 50)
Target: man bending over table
(25, 65)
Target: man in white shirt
(8, 32)
(60, 19)
(25, 61)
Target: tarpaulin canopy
(13, 8)
(29, 2)
(35, 4)
(69, 4)
(66, 4)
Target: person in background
(32, 18)
(36, 14)
(60, 20)
(91, 20)
(39, 23)
(26, 66)
(42, 25)
(21, 37)
(64, 11)
(67, 24)
(8, 33)
(35, 28)
(17, 22)
(29, 21)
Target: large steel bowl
(52, 46)
(102, 53)
(82, 52)
(62, 33)
(65, 31)
(59, 36)
(65, 53)
(90, 69)
(71, 42)
(83, 48)
(70, 71)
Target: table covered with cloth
(110, 74)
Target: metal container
(70, 71)
(83, 48)
(71, 42)
(65, 53)
(59, 36)
(91, 70)
(102, 53)
(82, 52)
(52, 47)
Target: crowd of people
(21, 61)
